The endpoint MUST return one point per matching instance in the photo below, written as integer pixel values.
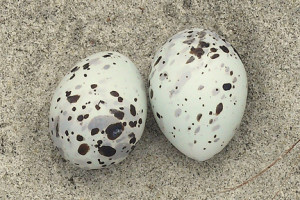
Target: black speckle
(113, 131)
(86, 66)
(94, 131)
(151, 93)
(58, 100)
(106, 151)
(157, 61)
(132, 110)
(93, 86)
(75, 69)
(68, 93)
(106, 56)
(225, 49)
(79, 138)
(69, 118)
(132, 140)
(73, 75)
(132, 124)
(140, 121)
(158, 115)
(227, 86)
(80, 118)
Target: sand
(41, 41)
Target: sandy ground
(41, 41)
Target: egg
(98, 111)
(198, 91)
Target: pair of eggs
(197, 91)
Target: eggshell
(198, 91)
(98, 111)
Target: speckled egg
(98, 111)
(198, 91)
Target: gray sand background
(41, 41)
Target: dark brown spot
(114, 93)
(211, 121)
(94, 131)
(97, 107)
(214, 56)
(73, 99)
(204, 44)
(83, 107)
(191, 59)
(83, 149)
(197, 52)
(213, 49)
(79, 138)
(225, 49)
(120, 99)
(74, 108)
(226, 86)
(199, 117)
(113, 131)
(69, 118)
(219, 108)
(118, 114)
(132, 124)
(106, 56)
(106, 151)
(231, 73)
(132, 110)
(58, 100)
(86, 116)
(93, 86)
(157, 61)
